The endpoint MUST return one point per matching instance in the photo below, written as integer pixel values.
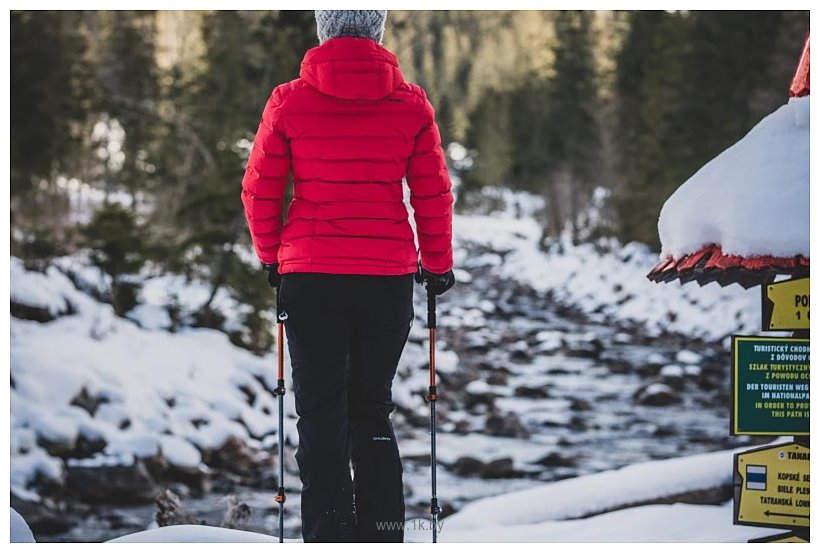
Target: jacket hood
(352, 68)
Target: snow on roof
(751, 201)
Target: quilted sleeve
(431, 196)
(266, 176)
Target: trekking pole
(281, 316)
(432, 396)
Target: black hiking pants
(345, 335)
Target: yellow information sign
(772, 486)
(786, 305)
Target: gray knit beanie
(355, 23)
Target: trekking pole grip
(432, 393)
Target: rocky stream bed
(540, 392)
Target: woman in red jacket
(349, 130)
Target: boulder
(234, 455)
(521, 352)
(535, 392)
(556, 459)
(497, 378)
(467, 466)
(110, 482)
(462, 427)
(88, 401)
(499, 468)
(673, 376)
(43, 517)
(657, 394)
(477, 393)
(508, 426)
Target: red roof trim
(710, 264)
(800, 82)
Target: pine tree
(246, 55)
(49, 106)
(656, 142)
(117, 243)
(129, 79)
(490, 136)
(573, 103)
(688, 86)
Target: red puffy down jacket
(349, 130)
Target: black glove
(438, 284)
(274, 278)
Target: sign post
(785, 305)
(770, 386)
(770, 397)
(772, 486)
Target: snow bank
(599, 492)
(751, 200)
(540, 514)
(652, 523)
(608, 286)
(189, 533)
(150, 391)
(46, 291)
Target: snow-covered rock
(180, 453)
(688, 357)
(657, 394)
(752, 199)
(32, 465)
(47, 292)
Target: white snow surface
(19, 530)
(190, 533)
(752, 199)
(676, 523)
